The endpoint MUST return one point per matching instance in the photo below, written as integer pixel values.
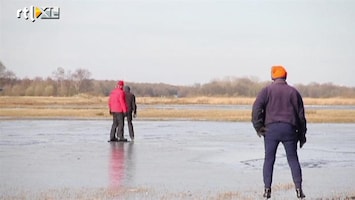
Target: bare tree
(81, 80)
(6, 76)
(68, 83)
(59, 77)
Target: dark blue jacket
(279, 102)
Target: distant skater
(278, 115)
(118, 109)
(131, 110)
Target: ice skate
(267, 193)
(300, 194)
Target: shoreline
(89, 107)
(312, 116)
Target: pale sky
(183, 42)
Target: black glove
(302, 140)
(301, 134)
(134, 115)
(261, 131)
(110, 112)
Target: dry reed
(96, 107)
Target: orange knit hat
(278, 71)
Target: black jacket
(279, 102)
(131, 102)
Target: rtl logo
(34, 13)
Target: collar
(280, 81)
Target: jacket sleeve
(258, 110)
(134, 105)
(109, 102)
(302, 122)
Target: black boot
(300, 194)
(267, 193)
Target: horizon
(223, 79)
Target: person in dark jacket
(118, 109)
(278, 115)
(131, 110)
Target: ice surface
(172, 159)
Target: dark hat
(127, 88)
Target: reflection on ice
(117, 164)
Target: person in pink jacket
(118, 109)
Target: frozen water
(168, 156)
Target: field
(96, 107)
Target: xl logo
(34, 13)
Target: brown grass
(237, 100)
(102, 101)
(197, 100)
(96, 107)
(52, 101)
(329, 101)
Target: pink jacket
(117, 101)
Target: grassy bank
(96, 107)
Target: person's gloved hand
(301, 136)
(110, 112)
(303, 140)
(261, 131)
(134, 115)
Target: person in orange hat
(118, 109)
(278, 72)
(278, 115)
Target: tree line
(67, 83)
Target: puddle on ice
(180, 158)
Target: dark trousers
(284, 133)
(130, 124)
(117, 125)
